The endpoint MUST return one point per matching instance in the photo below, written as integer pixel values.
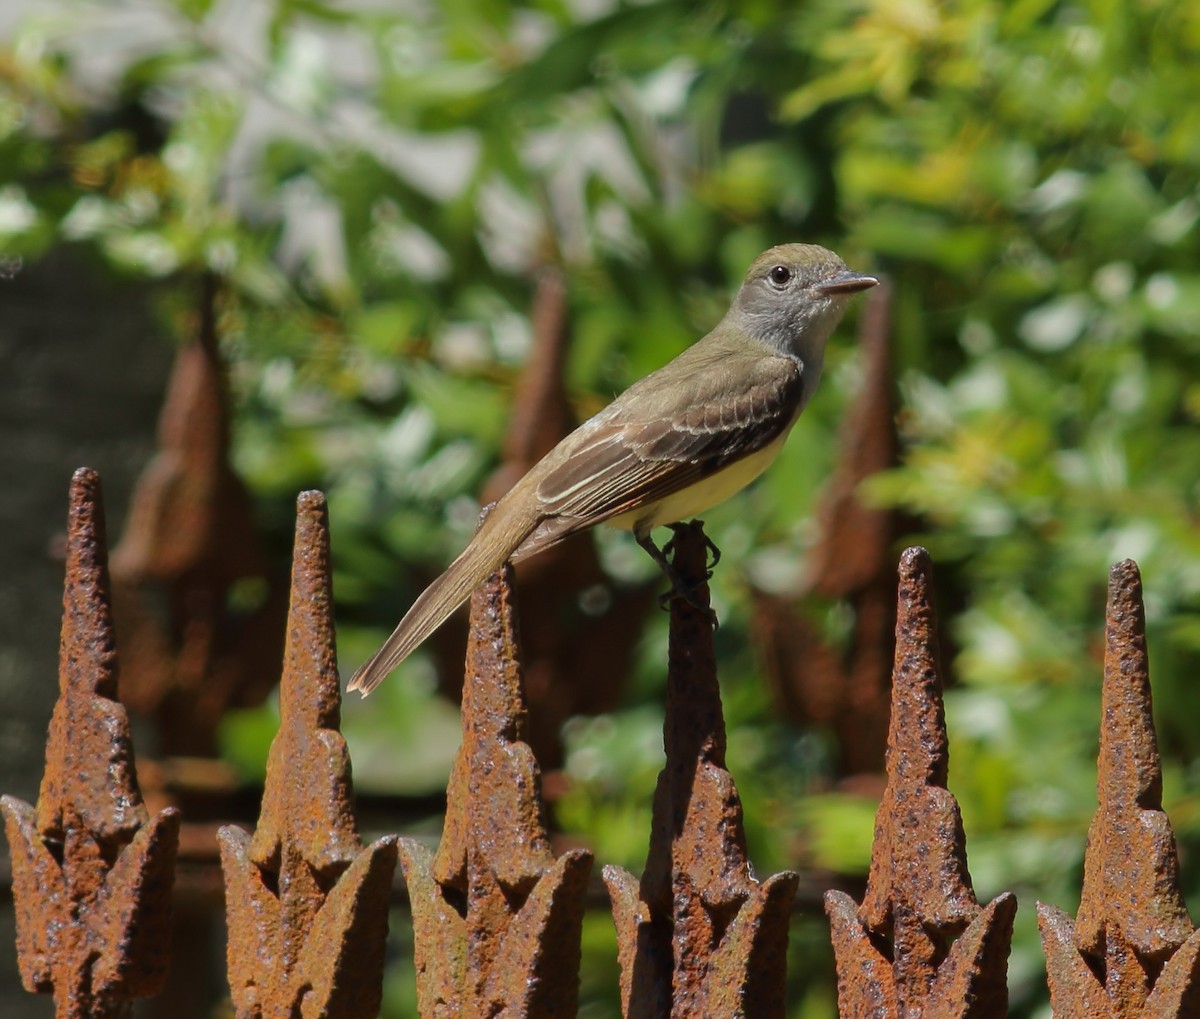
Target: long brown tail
(504, 528)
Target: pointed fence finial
(306, 904)
(497, 919)
(200, 607)
(698, 936)
(92, 872)
(920, 944)
(1131, 951)
(843, 685)
(577, 660)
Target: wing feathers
(632, 459)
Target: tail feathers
(492, 545)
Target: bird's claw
(687, 594)
(680, 588)
(708, 542)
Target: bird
(677, 442)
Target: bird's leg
(680, 588)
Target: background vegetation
(378, 184)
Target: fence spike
(577, 660)
(844, 685)
(497, 920)
(699, 936)
(947, 955)
(1131, 950)
(200, 610)
(92, 872)
(306, 904)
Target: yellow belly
(714, 489)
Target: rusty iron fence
(497, 916)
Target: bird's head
(793, 297)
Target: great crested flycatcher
(684, 438)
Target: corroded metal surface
(496, 917)
(92, 872)
(306, 904)
(200, 612)
(577, 659)
(699, 936)
(814, 679)
(920, 944)
(1131, 950)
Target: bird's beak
(847, 282)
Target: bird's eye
(780, 275)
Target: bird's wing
(644, 451)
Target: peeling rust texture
(306, 904)
(200, 612)
(577, 659)
(920, 944)
(813, 681)
(92, 872)
(1131, 950)
(699, 936)
(497, 919)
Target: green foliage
(377, 187)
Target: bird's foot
(709, 543)
(681, 587)
(687, 593)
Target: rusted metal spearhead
(497, 919)
(576, 661)
(306, 904)
(920, 944)
(201, 612)
(813, 679)
(92, 872)
(699, 936)
(1131, 951)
